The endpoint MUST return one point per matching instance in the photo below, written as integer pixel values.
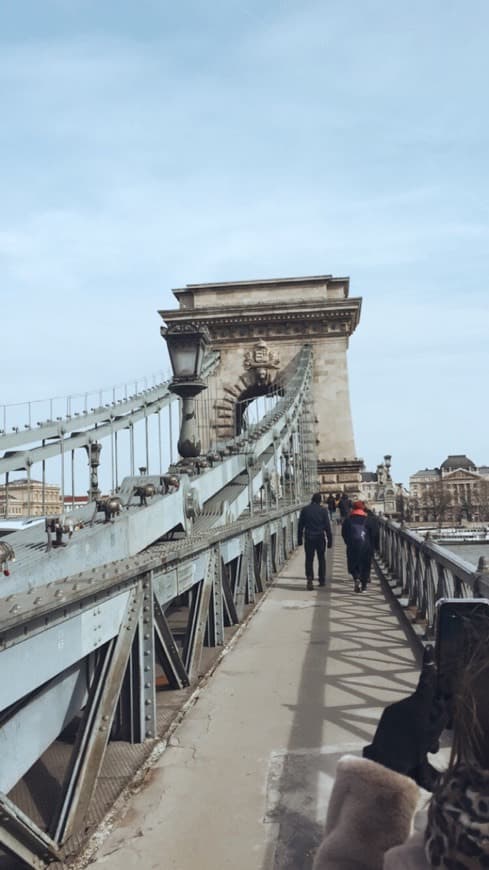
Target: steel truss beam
(136, 715)
(111, 624)
(32, 661)
(127, 634)
(215, 625)
(95, 727)
(22, 838)
(199, 609)
(30, 729)
(230, 613)
(167, 651)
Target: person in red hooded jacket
(359, 534)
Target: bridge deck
(245, 780)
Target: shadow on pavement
(359, 658)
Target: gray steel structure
(85, 645)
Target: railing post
(482, 578)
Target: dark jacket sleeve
(345, 528)
(373, 531)
(327, 529)
(301, 527)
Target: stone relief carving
(261, 361)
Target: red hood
(358, 513)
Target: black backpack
(358, 532)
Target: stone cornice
(266, 283)
(337, 465)
(340, 316)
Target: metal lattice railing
(422, 572)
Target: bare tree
(436, 501)
(413, 509)
(484, 501)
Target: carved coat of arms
(262, 361)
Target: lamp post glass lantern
(187, 343)
(186, 355)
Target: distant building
(380, 492)
(72, 502)
(452, 493)
(24, 498)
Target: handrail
(424, 572)
(23, 608)
(80, 430)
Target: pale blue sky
(148, 145)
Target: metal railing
(421, 572)
(18, 416)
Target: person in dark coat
(359, 534)
(372, 804)
(314, 529)
(344, 506)
(331, 503)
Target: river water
(469, 552)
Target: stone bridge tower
(258, 327)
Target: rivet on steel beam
(148, 718)
(148, 702)
(147, 668)
(147, 636)
(149, 733)
(147, 685)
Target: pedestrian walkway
(245, 781)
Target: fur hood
(370, 811)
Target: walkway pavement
(245, 782)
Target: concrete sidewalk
(245, 782)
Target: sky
(148, 145)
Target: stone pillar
(258, 327)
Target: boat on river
(458, 535)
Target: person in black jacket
(314, 529)
(360, 534)
(344, 506)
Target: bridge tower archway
(258, 328)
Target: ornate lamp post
(94, 450)
(187, 343)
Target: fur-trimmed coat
(369, 821)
